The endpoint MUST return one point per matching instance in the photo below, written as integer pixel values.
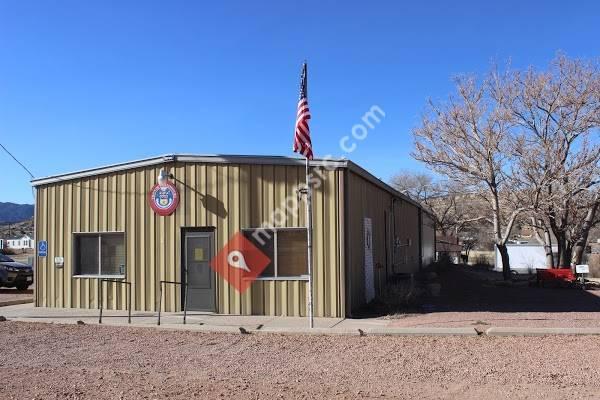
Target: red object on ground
(555, 275)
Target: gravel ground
(7, 295)
(46, 361)
(489, 319)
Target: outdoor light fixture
(163, 177)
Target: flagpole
(309, 304)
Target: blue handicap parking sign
(42, 248)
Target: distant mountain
(11, 212)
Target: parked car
(15, 274)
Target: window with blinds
(99, 254)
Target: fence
(101, 299)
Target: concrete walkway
(206, 322)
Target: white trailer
(524, 257)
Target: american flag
(302, 142)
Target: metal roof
(22, 237)
(223, 159)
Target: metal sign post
(581, 271)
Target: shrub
(482, 261)
(444, 259)
(401, 293)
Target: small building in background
(24, 242)
(592, 258)
(448, 246)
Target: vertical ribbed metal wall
(228, 197)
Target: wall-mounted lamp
(163, 177)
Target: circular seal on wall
(164, 199)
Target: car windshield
(3, 258)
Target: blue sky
(88, 83)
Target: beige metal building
(99, 224)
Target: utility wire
(18, 162)
(22, 166)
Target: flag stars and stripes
(302, 142)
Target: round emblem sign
(163, 199)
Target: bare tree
(580, 230)
(416, 185)
(542, 234)
(452, 209)
(554, 117)
(468, 242)
(467, 139)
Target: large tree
(555, 116)
(452, 209)
(580, 230)
(467, 139)
(528, 143)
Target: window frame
(276, 277)
(99, 275)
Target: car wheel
(22, 286)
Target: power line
(22, 166)
(18, 162)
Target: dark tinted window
(112, 254)
(264, 240)
(99, 254)
(285, 247)
(292, 252)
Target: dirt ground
(11, 294)
(46, 361)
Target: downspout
(347, 262)
(36, 301)
(420, 239)
(435, 257)
(394, 199)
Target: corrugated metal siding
(228, 197)
(428, 243)
(407, 229)
(366, 200)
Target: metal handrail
(101, 299)
(184, 298)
